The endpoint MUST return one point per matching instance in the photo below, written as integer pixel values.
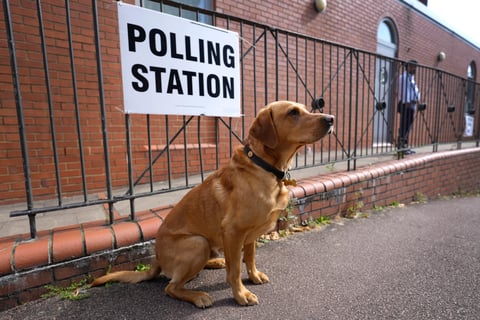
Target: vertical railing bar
(98, 48)
(50, 103)
(331, 97)
(265, 59)
(200, 158)
(376, 99)
(254, 34)
(169, 160)
(355, 134)
(297, 75)
(217, 143)
(314, 147)
(446, 116)
(367, 60)
(242, 81)
(131, 188)
(296, 67)
(382, 114)
(230, 120)
(287, 69)
(437, 115)
(150, 155)
(323, 96)
(305, 97)
(230, 137)
(306, 71)
(185, 150)
(276, 66)
(424, 99)
(20, 119)
(338, 96)
(361, 68)
(350, 110)
(427, 97)
(76, 103)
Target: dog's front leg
(254, 275)
(233, 253)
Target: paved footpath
(417, 262)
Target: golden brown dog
(232, 207)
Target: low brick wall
(426, 176)
(69, 254)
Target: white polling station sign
(172, 65)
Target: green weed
(75, 291)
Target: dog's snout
(329, 120)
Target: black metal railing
(96, 155)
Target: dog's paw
(258, 277)
(203, 300)
(215, 263)
(246, 298)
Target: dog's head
(289, 125)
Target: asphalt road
(416, 262)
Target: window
(384, 32)
(470, 94)
(184, 13)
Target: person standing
(408, 96)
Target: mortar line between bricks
(12, 256)
(50, 247)
(114, 237)
(140, 231)
(84, 242)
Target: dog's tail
(129, 276)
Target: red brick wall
(350, 23)
(355, 23)
(34, 96)
(427, 177)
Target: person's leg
(402, 129)
(409, 117)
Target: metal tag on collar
(287, 181)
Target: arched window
(471, 72)
(386, 33)
(470, 94)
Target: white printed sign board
(177, 66)
(469, 121)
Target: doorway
(384, 85)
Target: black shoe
(409, 151)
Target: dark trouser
(407, 112)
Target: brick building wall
(355, 23)
(350, 23)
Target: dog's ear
(264, 130)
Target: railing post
(98, 48)
(21, 121)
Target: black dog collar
(281, 175)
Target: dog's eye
(293, 112)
